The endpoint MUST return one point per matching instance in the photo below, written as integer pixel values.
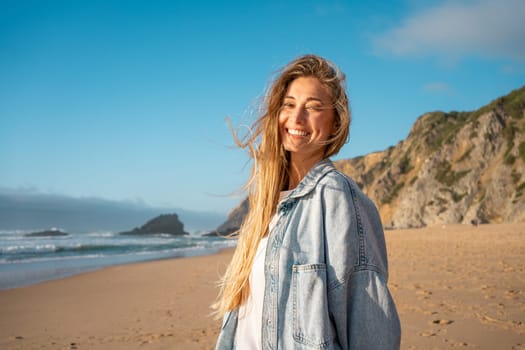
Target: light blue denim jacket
(326, 272)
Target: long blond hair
(269, 173)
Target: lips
(296, 132)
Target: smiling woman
(310, 268)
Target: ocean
(28, 260)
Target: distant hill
(453, 167)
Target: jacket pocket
(312, 326)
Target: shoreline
(16, 273)
(455, 286)
(73, 271)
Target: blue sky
(127, 100)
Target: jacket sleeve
(371, 320)
(361, 307)
(226, 340)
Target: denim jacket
(326, 271)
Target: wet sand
(455, 286)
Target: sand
(460, 286)
(456, 286)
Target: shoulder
(334, 176)
(343, 201)
(338, 185)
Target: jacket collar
(310, 180)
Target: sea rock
(47, 233)
(166, 224)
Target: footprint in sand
(442, 322)
(423, 294)
(428, 334)
(511, 294)
(460, 344)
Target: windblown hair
(269, 173)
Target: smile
(296, 132)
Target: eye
(314, 108)
(288, 105)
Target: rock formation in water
(48, 233)
(166, 224)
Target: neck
(298, 170)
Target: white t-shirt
(248, 335)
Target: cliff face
(452, 168)
(235, 219)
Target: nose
(299, 114)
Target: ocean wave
(25, 248)
(22, 252)
(49, 259)
(104, 234)
(102, 252)
(104, 244)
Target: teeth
(297, 132)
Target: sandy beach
(455, 286)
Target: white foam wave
(28, 248)
(103, 234)
(50, 259)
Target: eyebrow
(308, 99)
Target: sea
(26, 260)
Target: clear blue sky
(126, 100)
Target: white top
(248, 335)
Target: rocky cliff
(452, 168)
(455, 167)
(234, 220)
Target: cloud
(485, 28)
(436, 87)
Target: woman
(310, 268)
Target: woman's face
(306, 119)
